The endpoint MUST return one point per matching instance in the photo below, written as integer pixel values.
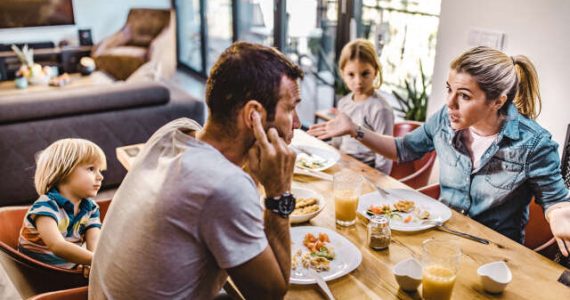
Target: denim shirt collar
(511, 126)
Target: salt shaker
(379, 234)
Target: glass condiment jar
(379, 234)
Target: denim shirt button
(462, 211)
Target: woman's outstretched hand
(338, 126)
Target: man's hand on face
(270, 160)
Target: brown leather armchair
(147, 40)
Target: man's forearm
(278, 236)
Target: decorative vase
(21, 82)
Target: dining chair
(431, 190)
(79, 293)
(416, 173)
(31, 276)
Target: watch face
(287, 204)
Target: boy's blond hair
(59, 159)
(363, 51)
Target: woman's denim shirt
(522, 161)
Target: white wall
(537, 29)
(103, 17)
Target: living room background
(103, 17)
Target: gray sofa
(111, 115)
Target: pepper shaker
(379, 234)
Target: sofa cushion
(85, 100)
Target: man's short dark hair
(244, 72)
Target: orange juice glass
(440, 260)
(346, 190)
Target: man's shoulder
(209, 168)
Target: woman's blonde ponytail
(527, 99)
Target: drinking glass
(440, 260)
(346, 190)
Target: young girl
(362, 73)
(68, 175)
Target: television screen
(32, 13)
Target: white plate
(299, 193)
(348, 257)
(437, 210)
(329, 156)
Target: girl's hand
(560, 226)
(340, 125)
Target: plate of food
(408, 210)
(323, 250)
(309, 205)
(315, 158)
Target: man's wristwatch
(282, 205)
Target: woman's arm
(550, 191)
(50, 235)
(342, 125)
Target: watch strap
(359, 133)
(273, 204)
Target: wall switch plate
(482, 37)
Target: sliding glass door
(219, 32)
(255, 21)
(189, 34)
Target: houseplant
(413, 97)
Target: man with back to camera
(186, 215)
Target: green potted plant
(413, 98)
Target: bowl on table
(408, 273)
(495, 276)
(315, 202)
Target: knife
(321, 283)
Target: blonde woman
(493, 156)
(68, 175)
(361, 70)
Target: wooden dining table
(533, 276)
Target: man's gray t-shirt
(182, 215)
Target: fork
(441, 226)
(321, 283)
(300, 149)
(384, 193)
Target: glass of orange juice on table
(440, 260)
(346, 190)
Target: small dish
(303, 193)
(495, 276)
(408, 273)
